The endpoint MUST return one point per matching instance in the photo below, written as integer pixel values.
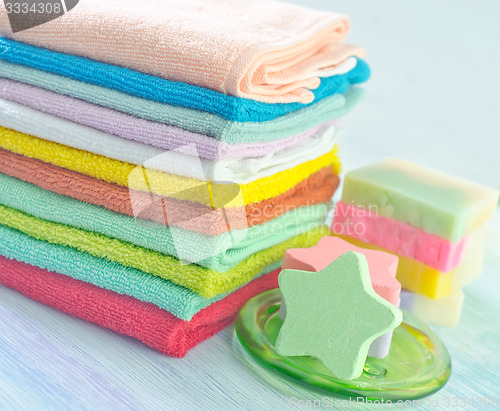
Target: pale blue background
(435, 89)
(433, 99)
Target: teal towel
(197, 121)
(180, 301)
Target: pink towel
(260, 49)
(126, 315)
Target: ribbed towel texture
(274, 132)
(203, 283)
(263, 50)
(155, 327)
(318, 188)
(97, 245)
(183, 161)
(180, 301)
(146, 261)
(165, 91)
(219, 253)
(129, 127)
(168, 185)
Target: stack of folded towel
(158, 158)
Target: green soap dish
(418, 363)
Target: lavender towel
(242, 137)
(112, 122)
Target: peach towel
(263, 50)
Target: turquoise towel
(219, 253)
(165, 91)
(180, 301)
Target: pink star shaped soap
(382, 266)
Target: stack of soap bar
(382, 266)
(434, 222)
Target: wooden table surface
(433, 99)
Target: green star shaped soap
(334, 315)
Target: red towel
(126, 315)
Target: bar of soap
(445, 311)
(435, 202)
(382, 266)
(428, 281)
(334, 315)
(404, 239)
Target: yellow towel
(164, 184)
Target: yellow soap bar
(420, 278)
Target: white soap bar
(445, 311)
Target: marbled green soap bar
(433, 201)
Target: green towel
(180, 301)
(203, 281)
(219, 253)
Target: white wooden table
(433, 99)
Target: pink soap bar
(398, 237)
(382, 266)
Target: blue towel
(166, 91)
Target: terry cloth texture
(110, 121)
(263, 50)
(164, 91)
(178, 300)
(147, 180)
(203, 283)
(183, 161)
(100, 246)
(318, 188)
(126, 315)
(275, 132)
(219, 253)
